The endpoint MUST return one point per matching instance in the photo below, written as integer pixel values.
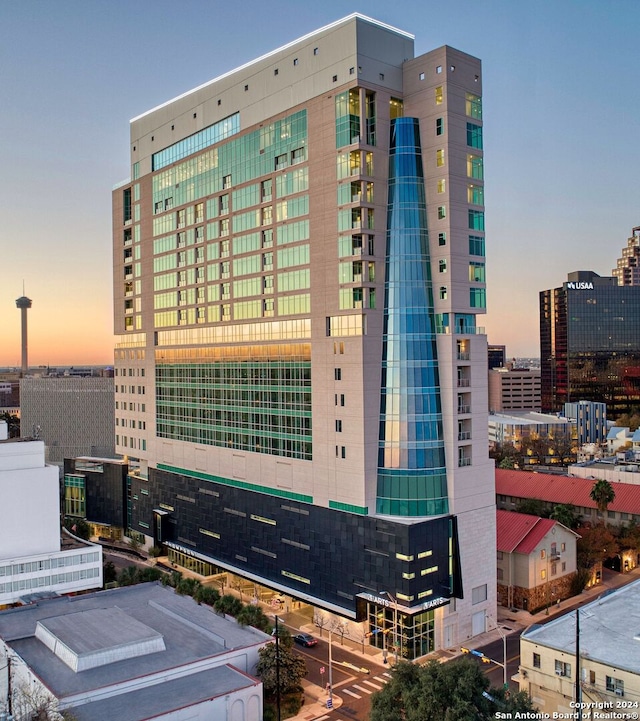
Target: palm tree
(602, 494)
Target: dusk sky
(561, 105)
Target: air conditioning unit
(558, 672)
(619, 692)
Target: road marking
(364, 690)
(374, 685)
(346, 690)
(380, 678)
(321, 718)
(387, 674)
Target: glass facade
(412, 477)
(260, 405)
(590, 347)
(75, 497)
(414, 635)
(198, 141)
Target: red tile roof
(564, 489)
(520, 532)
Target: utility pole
(9, 689)
(578, 670)
(278, 668)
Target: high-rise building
(74, 416)
(497, 356)
(514, 389)
(627, 270)
(590, 343)
(299, 263)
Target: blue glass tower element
(412, 479)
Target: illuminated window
(441, 186)
(473, 106)
(475, 194)
(439, 94)
(439, 158)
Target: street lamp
(395, 621)
(504, 651)
(330, 701)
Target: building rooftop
(526, 418)
(564, 489)
(520, 532)
(167, 696)
(609, 630)
(101, 622)
(293, 43)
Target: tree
(78, 526)
(292, 669)
(252, 615)
(228, 604)
(629, 420)
(339, 628)
(13, 424)
(456, 691)
(34, 703)
(320, 621)
(536, 447)
(534, 507)
(562, 449)
(109, 573)
(567, 514)
(595, 544)
(602, 494)
(506, 455)
(206, 595)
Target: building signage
(582, 285)
(426, 606)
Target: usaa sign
(582, 285)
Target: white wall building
(131, 653)
(609, 659)
(33, 557)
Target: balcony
(464, 409)
(464, 382)
(462, 462)
(464, 436)
(466, 330)
(464, 355)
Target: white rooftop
(527, 418)
(609, 630)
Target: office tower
(299, 263)
(590, 343)
(74, 416)
(497, 355)
(627, 270)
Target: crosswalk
(364, 687)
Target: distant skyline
(561, 114)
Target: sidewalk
(516, 620)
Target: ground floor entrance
(400, 634)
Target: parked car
(305, 639)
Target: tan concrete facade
(306, 75)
